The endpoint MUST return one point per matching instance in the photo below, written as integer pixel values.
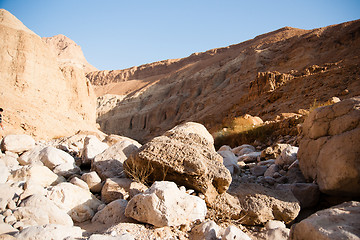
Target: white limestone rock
(50, 231)
(112, 213)
(229, 161)
(35, 173)
(17, 143)
(79, 203)
(78, 182)
(163, 204)
(109, 163)
(92, 147)
(207, 230)
(31, 156)
(234, 233)
(287, 156)
(338, 222)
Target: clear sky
(117, 34)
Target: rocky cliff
(281, 71)
(68, 52)
(40, 96)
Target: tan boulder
(329, 150)
(207, 230)
(39, 210)
(254, 204)
(274, 151)
(7, 193)
(50, 231)
(338, 222)
(17, 143)
(109, 163)
(38, 174)
(92, 147)
(93, 181)
(115, 188)
(184, 155)
(78, 182)
(79, 203)
(113, 213)
(164, 204)
(233, 232)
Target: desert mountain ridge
(283, 71)
(44, 91)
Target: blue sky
(117, 34)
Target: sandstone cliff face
(277, 72)
(68, 52)
(38, 95)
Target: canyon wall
(277, 72)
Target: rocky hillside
(278, 72)
(43, 93)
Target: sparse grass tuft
(241, 130)
(138, 173)
(317, 104)
(248, 135)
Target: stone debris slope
(262, 199)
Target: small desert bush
(138, 173)
(144, 173)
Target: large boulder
(52, 157)
(184, 155)
(17, 143)
(41, 175)
(232, 232)
(113, 213)
(287, 156)
(10, 161)
(115, 188)
(261, 204)
(164, 204)
(79, 203)
(39, 210)
(253, 204)
(329, 149)
(338, 222)
(93, 181)
(229, 161)
(7, 193)
(109, 163)
(31, 156)
(92, 147)
(50, 231)
(207, 230)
